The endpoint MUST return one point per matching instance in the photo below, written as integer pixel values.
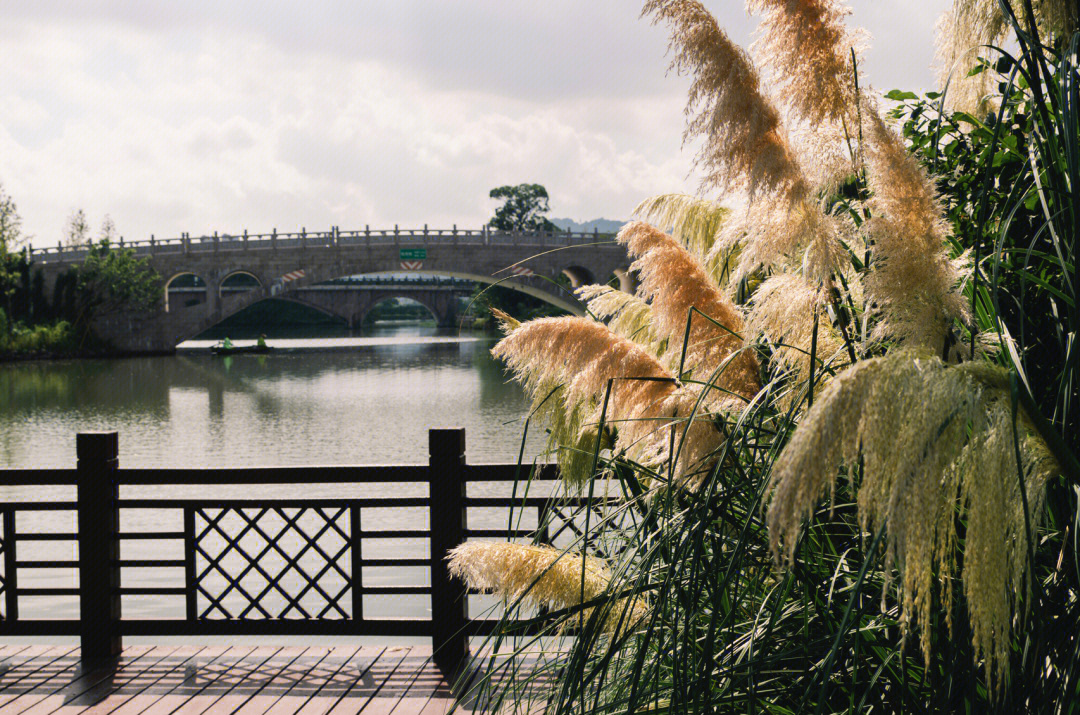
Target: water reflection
(372, 403)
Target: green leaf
(899, 95)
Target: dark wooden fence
(218, 558)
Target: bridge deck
(224, 679)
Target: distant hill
(603, 225)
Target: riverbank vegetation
(842, 416)
(34, 323)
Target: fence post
(11, 569)
(99, 545)
(449, 598)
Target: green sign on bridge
(412, 254)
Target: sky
(203, 116)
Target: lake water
(344, 400)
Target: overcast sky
(201, 115)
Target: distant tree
(113, 279)
(522, 209)
(77, 231)
(11, 237)
(108, 230)
(10, 261)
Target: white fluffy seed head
(912, 281)
(934, 441)
(744, 145)
(541, 576)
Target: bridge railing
(332, 238)
(256, 565)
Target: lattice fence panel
(258, 563)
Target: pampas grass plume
(674, 282)
(934, 441)
(911, 278)
(783, 309)
(967, 28)
(693, 221)
(744, 144)
(625, 314)
(806, 47)
(541, 576)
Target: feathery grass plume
(806, 47)
(963, 31)
(564, 365)
(572, 434)
(744, 143)
(673, 281)
(796, 237)
(540, 576)
(934, 441)
(694, 221)
(969, 26)
(911, 279)
(507, 323)
(624, 313)
(574, 358)
(782, 309)
(1059, 18)
(681, 424)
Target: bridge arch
(627, 281)
(579, 276)
(239, 281)
(184, 289)
(438, 313)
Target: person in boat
(226, 343)
(261, 342)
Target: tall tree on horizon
(522, 209)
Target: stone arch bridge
(291, 265)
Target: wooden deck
(401, 680)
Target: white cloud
(203, 116)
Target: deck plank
(245, 680)
(176, 678)
(312, 684)
(7, 652)
(79, 680)
(373, 683)
(126, 673)
(351, 672)
(273, 680)
(144, 681)
(38, 673)
(421, 684)
(198, 677)
(230, 677)
(25, 672)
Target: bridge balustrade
(329, 239)
(253, 565)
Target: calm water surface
(368, 400)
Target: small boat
(236, 350)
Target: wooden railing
(227, 543)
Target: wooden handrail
(98, 478)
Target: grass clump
(817, 408)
